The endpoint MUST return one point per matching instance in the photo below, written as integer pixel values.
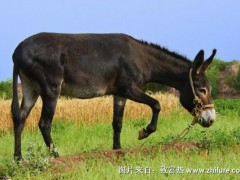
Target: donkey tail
(15, 109)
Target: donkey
(91, 65)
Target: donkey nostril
(211, 121)
(200, 120)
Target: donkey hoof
(54, 153)
(17, 159)
(142, 134)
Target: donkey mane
(164, 49)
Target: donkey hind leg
(30, 97)
(118, 109)
(137, 95)
(48, 110)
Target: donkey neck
(168, 68)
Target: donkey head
(195, 95)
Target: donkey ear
(198, 61)
(208, 61)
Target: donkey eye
(202, 90)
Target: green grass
(221, 143)
(6, 89)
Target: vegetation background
(82, 132)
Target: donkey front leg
(137, 95)
(152, 127)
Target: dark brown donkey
(91, 65)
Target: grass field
(82, 132)
(87, 111)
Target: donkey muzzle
(207, 117)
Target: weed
(36, 161)
(236, 134)
(217, 139)
(139, 123)
(169, 139)
(223, 106)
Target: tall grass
(88, 111)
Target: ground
(114, 155)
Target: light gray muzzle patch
(207, 117)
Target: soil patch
(114, 155)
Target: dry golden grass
(89, 111)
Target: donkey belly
(83, 91)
